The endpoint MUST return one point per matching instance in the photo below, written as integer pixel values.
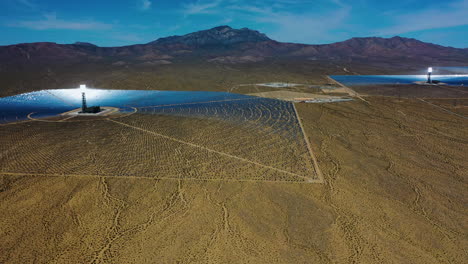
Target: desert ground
(379, 177)
(394, 188)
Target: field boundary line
(312, 154)
(17, 122)
(145, 177)
(445, 98)
(52, 121)
(451, 88)
(428, 98)
(441, 108)
(204, 102)
(213, 151)
(104, 117)
(66, 118)
(349, 90)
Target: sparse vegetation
(394, 191)
(250, 139)
(230, 182)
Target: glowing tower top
(429, 73)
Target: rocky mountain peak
(79, 43)
(222, 35)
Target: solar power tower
(429, 73)
(84, 107)
(83, 98)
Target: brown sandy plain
(394, 191)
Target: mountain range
(214, 59)
(230, 46)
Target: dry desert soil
(394, 191)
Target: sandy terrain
(394, 192)
(293, 96)
(335, 91)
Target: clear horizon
(119, 23)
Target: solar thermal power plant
(335, 134)
(155, 118)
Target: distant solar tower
(429, 73)
(83, 98)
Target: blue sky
(125, 22)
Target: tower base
(91, 110)
(105, 111)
